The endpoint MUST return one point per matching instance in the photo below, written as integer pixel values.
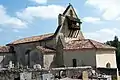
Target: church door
(74, 63)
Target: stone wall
(5, 58)
(36, 56)
(83, 57)
(106, 56)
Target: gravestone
(84, 75)
(25, 76)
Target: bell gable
(69, 24)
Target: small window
(108, 65)
(77, 24)
(71, 13)
(74, 63)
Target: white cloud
(103, 35)
(15, 30)
(118, 19)
(91, 20)
(109, 8)
(6, 19)
(46, 12)
(39, 1)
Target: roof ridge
(101, 43)
(27, 38)
(92, 43)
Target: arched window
(71, 13)
(108, 65)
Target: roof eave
(29, 42)
(49, 52)
(90, 49)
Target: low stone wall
(60, 73)
(8, 76)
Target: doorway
(74, 63)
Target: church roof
(46, 49)
(32, 39)
(4, 49)
(86, 44)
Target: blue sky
(24, 18)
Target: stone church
(66, 47)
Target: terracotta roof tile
(86, 44)
(4, 49)
(44, 49)
(101, 45)
(32, 39)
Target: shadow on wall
(36, 57)
(53, 63)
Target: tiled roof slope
(45, 49)
(4, 49)
(86, 44)
(101, 45)
(31, 39)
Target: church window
(108, 65)
(74, 63)
(71, 13)
(77, 24)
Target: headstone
(10, 64)
(37, 66)
(18, 65)
(84, 75)
(25, 76)
(109, 77)
(48, 76)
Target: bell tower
(73, 24)
(69, 24)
